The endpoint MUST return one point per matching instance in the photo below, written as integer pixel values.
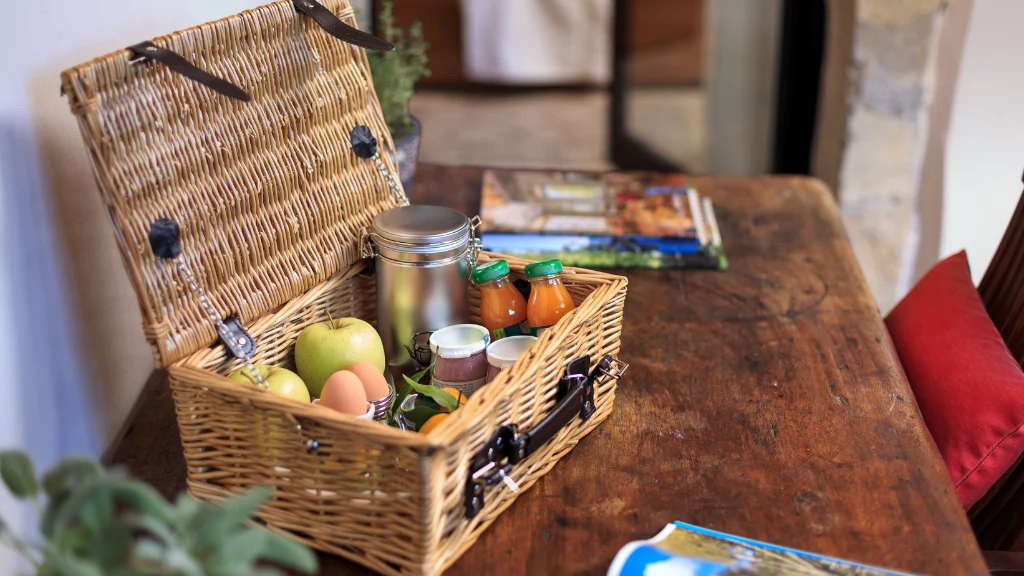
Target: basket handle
(507, 447)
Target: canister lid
(421, 225)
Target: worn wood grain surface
(765, 401)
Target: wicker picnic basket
(272, 201)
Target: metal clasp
(492, 464)
(366, 245)
(612, 367)
(475, 243)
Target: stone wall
(891, 79)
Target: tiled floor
(556, 129)
(545, 130)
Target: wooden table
(765, 401)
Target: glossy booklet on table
(616, 219)
(686, 550)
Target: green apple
(326, 347)
(281, 380)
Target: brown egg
(344, 392)
(374, 383)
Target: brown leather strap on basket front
(149, 51)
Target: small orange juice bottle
(549, 299)
(502, 307)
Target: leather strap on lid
(335, 27)
(149, 51)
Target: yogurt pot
(504, 353)
(459, 357)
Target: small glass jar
(505, 352)
(459, 357)
(502, 307)
(549, 298)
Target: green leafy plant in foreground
(97, 522)
(396, 73)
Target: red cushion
(968, 385)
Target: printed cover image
(686, 550)
(617, 204)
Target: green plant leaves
(149, 551)
(243, 547)
(180, 562)
(18, 474)
(60, 563)
(218, 521)
(143, 498)
(69, 473)
(419, 415)
(289, 554)
(112, 545)
(158, 530)
(185, 510)
(402, 393)
(68, 476)
(97, 511)
(436, 394)
(100, 523)
(395, 73)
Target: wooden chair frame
(996, 519)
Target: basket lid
(269, 195)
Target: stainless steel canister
(422, 258)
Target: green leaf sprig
(434, 399)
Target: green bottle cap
(490, 271)
(546, 268)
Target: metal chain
(214, 318)
(391, 180)
(475, 243)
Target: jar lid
(460, 340)
(490, 271)
(421, 225)
(546, 268)
(504, 353)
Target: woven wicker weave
(272, 202)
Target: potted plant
(96, 522)
(394, 78)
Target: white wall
(985, 151)
(71, 344)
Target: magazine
(686, 550)
(617, 219)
